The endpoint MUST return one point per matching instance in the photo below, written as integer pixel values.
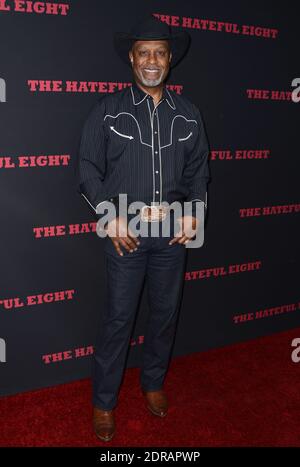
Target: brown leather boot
(157, 402)
(104, 423)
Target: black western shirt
(153, 153)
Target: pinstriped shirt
(153, 153)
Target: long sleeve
(91, 166)
(196, 172)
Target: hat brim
(179, 43)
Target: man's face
(150, 61)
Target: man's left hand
(188, 227)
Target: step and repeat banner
(242, 71)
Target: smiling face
(150, 61)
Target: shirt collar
(139, 96)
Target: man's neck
(155, 92)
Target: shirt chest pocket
(186, 137)
(119, 139)
(119, 131)
(120, 134)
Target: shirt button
(157, 192)
(155, 132)
(156, 152)
(156, 171)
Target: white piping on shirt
(159, 159)
(95, 209)
(174, 106)
(152, 139)
(121, 134)
(137, 103)
(89, 201)
(158, 145)
(153, 175)
(187, 137)
(140, 133)
(127, 113)
(171, 140)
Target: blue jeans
(163, 267)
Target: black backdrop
(243, 282)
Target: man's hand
(188, 227)
(120, 234)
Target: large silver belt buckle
(153, 213)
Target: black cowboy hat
(152, 29)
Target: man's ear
(170, 58)
(130, 56)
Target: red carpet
(241, 395)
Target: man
(150, 144)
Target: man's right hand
(120, 234)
